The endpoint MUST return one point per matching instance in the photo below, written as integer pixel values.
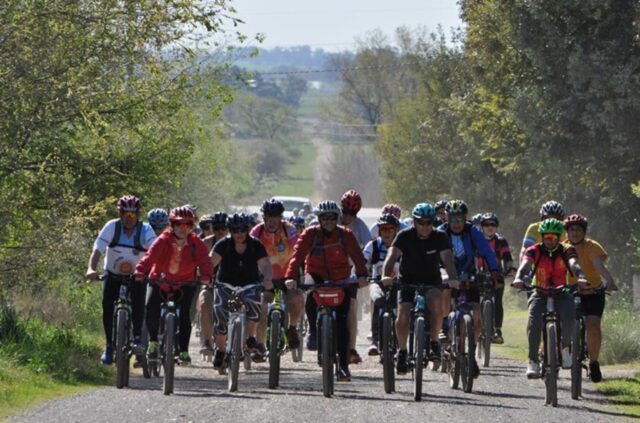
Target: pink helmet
(392, 208)
(351, 201)
(182, 213)
(129, 203)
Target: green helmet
(551, 226)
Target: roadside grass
(298, 174)
(514, 332)
(311, 103)
(624, 393)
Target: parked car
(291, 203)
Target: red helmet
(576, 219)
(129, 203)
(182, 213)
(351, 201)
(392, 208)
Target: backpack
(314, 243)
(375, 255)
(136, 239)
(562, 255)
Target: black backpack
(115, 242)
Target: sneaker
(566, 358)
(258, 356)
(475, 370)
(401, 366)
(206, 347)
(184, 359)
(152, 350)
(312, 342)
(442, 336)
(435, 354)
(343, 374)
(497, 337)
(354, 357)
(594, 372)
(218, 360)
(293, 338)
(373, 350)
(533, 370)
(107, 355)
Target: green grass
(624, 393)
(298, 179)
(514, 331)
(310, 103)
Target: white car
(291, 203)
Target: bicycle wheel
(466, 347)
(418, 351)
(551, 376)
(296, 353)
(168, 353)
(328, 356)
(274, 350)
(235, 353)
(487, 331)
(386, 342)
(122, 353)
(576, 360)
(455, 355)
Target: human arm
(264, 264)
(393, 255)
(92, 273)
(598, 263)
(446, 257)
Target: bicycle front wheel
(576, 360)
(274, 350)
(122, 348)
(418, 351)
(235, 353)
(168, 352)
(551, 377)
(328, 355)
(466, 344)
(487, 332)
(387, 353)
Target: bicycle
(121, 332)
(168, 331)
(237, 333)
(277, 321)
(459, 354)
(388, 341)
(487, 313)
(303, 329)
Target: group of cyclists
(437, 247)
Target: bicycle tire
(387, 353)
(418, 351)
(328, 356)
(146, 371)
(453, 365)
(274, 350)
(467, 341)
(122, 356)
(235, 352)
(487, 328)
(296, 353)
(576, 362)
(551, 377)
(168, 362)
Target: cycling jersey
(122, 258)
(587, 251)
(500, 247)
(420, 261)
(375, 253)
(279, 246)
(532, 236)
(239, 269)
(467, 245)
(550, 267)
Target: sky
(333, 25)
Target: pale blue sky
(334, 24)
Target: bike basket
(329, 297)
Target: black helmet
(388, 219)
(220, 218)
(238, 221)
(272, 207)
(489, 216)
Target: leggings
(184, 306)
(499, 309)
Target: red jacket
(330, 256)
(178, 265)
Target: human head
(328, 214)
(182, 220)
(299, 223)
(351, 203)
(424, 215)
(576, 227)
(441, 210)
(551, 229)
(158, 219)
(475, 219)
(129, 210)
(194, 209)
(552, 209)
(489, 224)
(239, 225)
(388, 226)
(272, 210)
(457, 215)
(392, 208)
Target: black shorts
(473, 294)
(408, 295)
(593, 305)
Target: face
(489, 228)
(220, 231)
(181, 229)
(328, 221)
(576, 234)
(550, 241)
(387, 233)
(424, 227)
(456, 223)
(272, 223)
(129, 218)
(441, 214)
(239, 235)
(348, 217)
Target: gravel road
(501, 393)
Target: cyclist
(278, 237)
(489, 224)
(240, 259)
(389, 208)
(124, 240)
(441, 213)
(375, 252)
(325, 251)
(591, 258)
(550, 209)
(467, 242)
(351, 203)
(299, 223)
(178, 255)
(214, 227)
(158, 219)
(420, 250)
(550, 263)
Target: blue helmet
(424, 211)
(158, 218)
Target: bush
(620, 335)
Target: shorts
(593, 305)
(251, 299)
(408, 295)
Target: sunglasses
(550, 236)
(388, 228)
(424, 222)
(186, 225)
(457, 220)
(129, 214)
(329, 217)
(490, 224)
(238, 230)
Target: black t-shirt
(239, 269)
(420, 261)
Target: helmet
(158, 218)
(457, 207)
(423, 210)
(552, 208)
(253, 219)
(182, 213)
(476, 219)
(393, 209)
(328, 207)
(388, 219)
(129, 203)
(219, 218)
(351, 201)
(238, 221)
(551, 226)
(576, 219)
(272, 207)
(489, 216)
(441, 204)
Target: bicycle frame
(419, 309)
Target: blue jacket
(475, 244)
